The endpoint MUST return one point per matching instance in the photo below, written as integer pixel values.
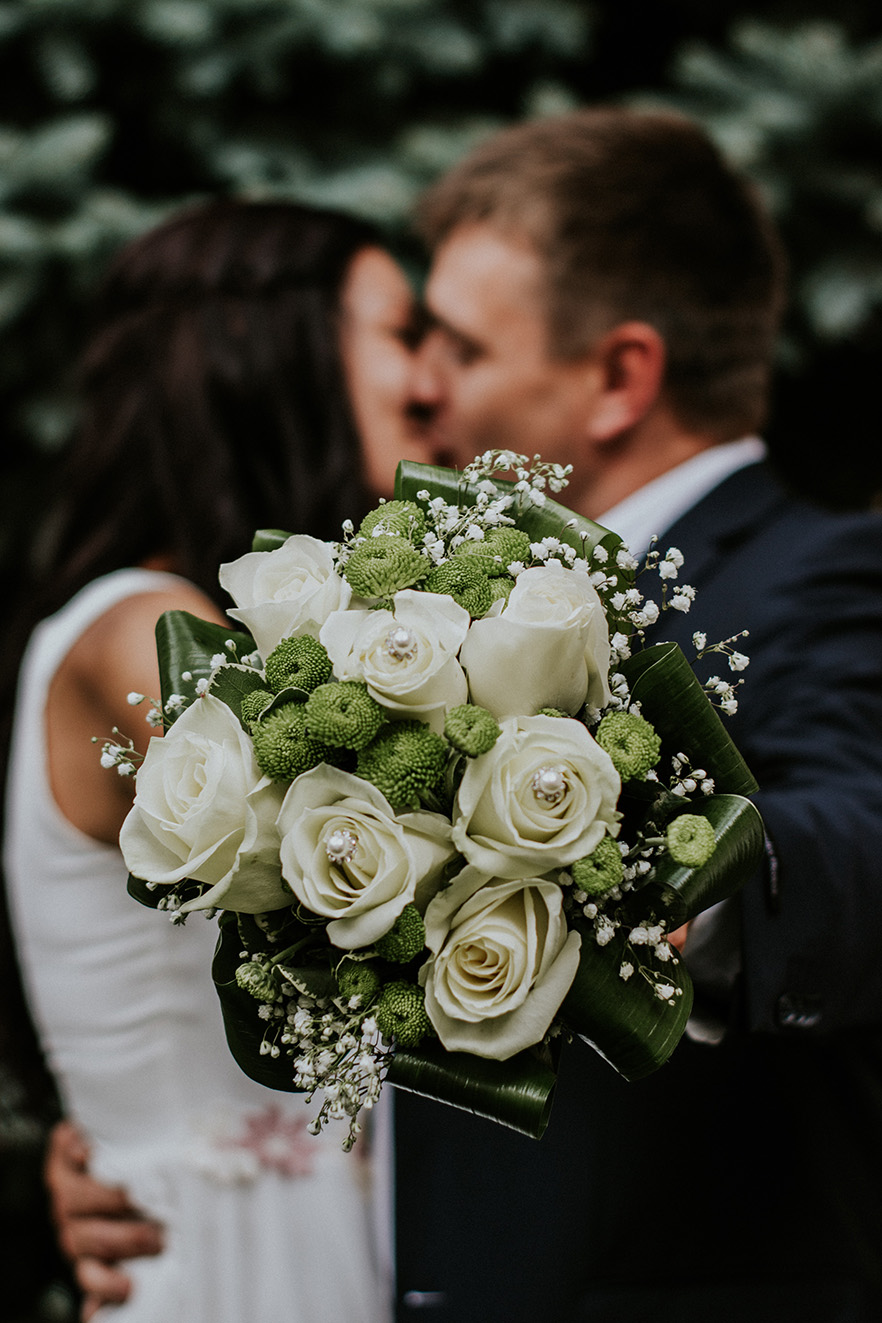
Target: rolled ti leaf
(185, 646)
(673, 700)
(548, 520)
(269, 539)
(516, 1093)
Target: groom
(605, 292)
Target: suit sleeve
(812, 924)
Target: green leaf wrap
(548, 520)
(672, 698)
(516, 1093)
(185, 645)
(269, 539)
(243, 1028)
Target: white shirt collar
(660, 503)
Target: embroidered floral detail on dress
(239, 1148)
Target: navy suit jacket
(739, 1182)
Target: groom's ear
(628, 366)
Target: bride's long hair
(212, 402)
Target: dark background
(113, 112)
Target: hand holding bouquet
(448, 804)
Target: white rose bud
(550, 641)
(287, 592)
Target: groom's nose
(426, 386)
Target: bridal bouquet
(447, 803)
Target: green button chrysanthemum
(405, 939)
(384, 565)
(471, 729)
(499, 549)
(631, 743)
(343, 714)
(283, 747)
(358, 979)
(463, 579)
(400, 518)
(300, 663)
(405, 759)
(691, 840)
(254, 704)
(401, 1014)
(601, 870)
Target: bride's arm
(88, 697)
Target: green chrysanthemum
(400, 518)
(384, 565)
(401, 1014)
(509, 544)
(343, 714)
(404, 760)
(300, 663)
(500, 588)
(405, 939)
(255, 976)
(465, 581)
(691, 840)
(471, 729)
(283, 747)
(601, 870)
(631, 742)
(358, 978)
(253, 704)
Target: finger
(109, 1239)
(67, 1145)
(101, 1284)
(678, 937)
(77, 1194)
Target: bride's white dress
(263, 1221)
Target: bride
(231, 369)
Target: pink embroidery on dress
(277, 1142)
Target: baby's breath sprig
(738, 661)
(119, 752)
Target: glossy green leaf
(269, 539)
(685, 892)
(185, 646)
(516, 1093)
(242, 1025)
(672, 698)
(233, 683)
(625, 1021)
(549, 520)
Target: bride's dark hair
(213, 402)
(212, 394)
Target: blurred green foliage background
(114, 112)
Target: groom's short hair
(635, 215)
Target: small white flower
(738, 661)
(218, 659)
(133, 699)
(675, 556)
(626, 969)
(699, 641)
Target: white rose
(202, 810)
(544, 796)
(406, 657)
(287, 592)
(348, 858)
(548, 646)
(502, 962)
